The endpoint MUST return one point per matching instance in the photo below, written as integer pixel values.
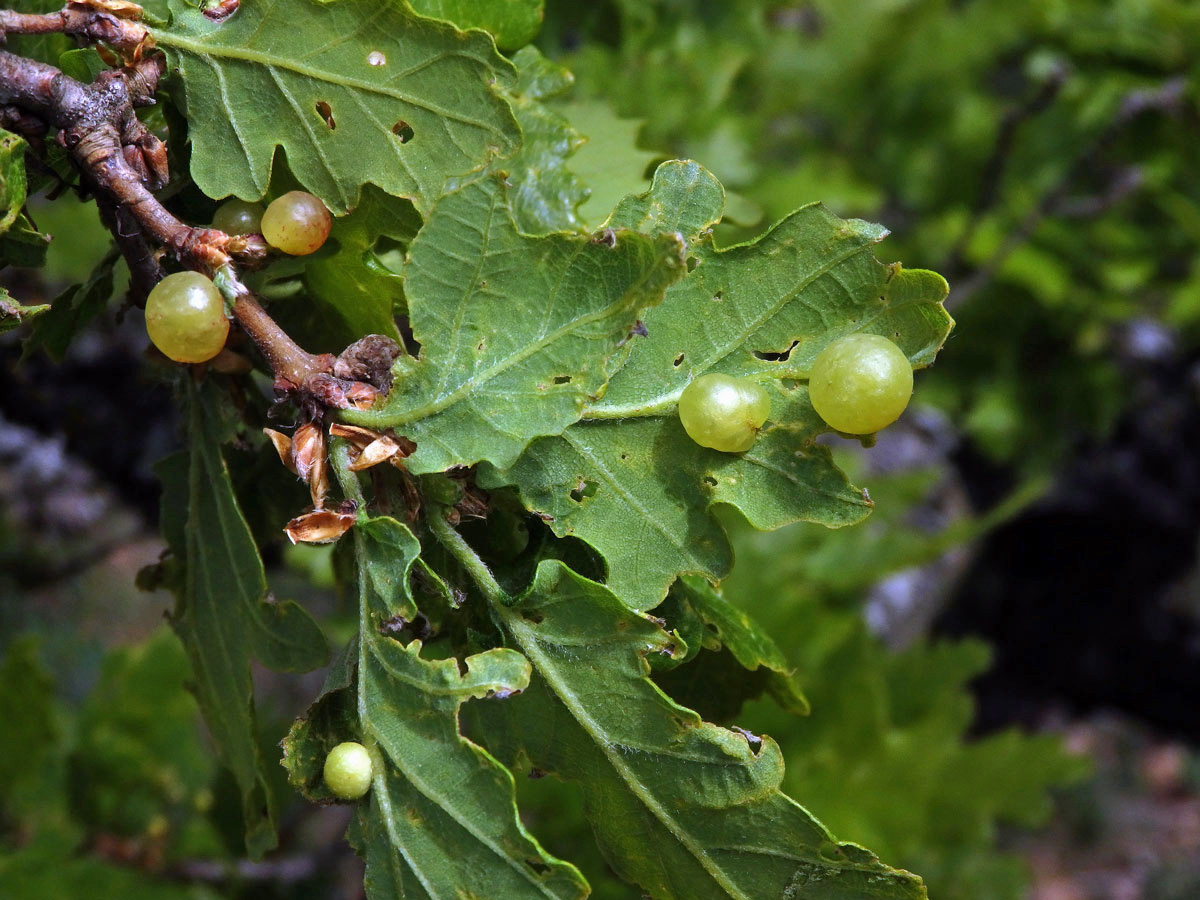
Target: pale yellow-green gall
(860, 383)
(296, 223)
(348, 770)
(185, 318)
(723, 412)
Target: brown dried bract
(308, 454)
(373, 447)
(357, 435)
(304, 453)
(122, 9)
(321, 526)
(283, 446)
(383, 449)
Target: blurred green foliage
(124, 773)
(884, 757)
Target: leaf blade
(440, 819)
(411, 100)
(223, 615)
(627, 479)
(517, 331)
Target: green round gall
(348, 770)
(860, 383)
(723, 412)
(185, 318)
(236, 216)
(296, 223)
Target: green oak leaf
(517, 332)
(353, 92)
(627, 479)
(684, 197)
(641, 491)
(682, 808)
(513, 23)
(82, 64)
(440, 819)
(223, 613)
(23, 245)
(12, 178)
(544, 193)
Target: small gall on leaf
(348, 770)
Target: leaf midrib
(379, 781)
(532, 649)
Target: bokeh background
(1003, 661)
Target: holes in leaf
(753, 740)
(776, 356)
(605, 238)
(831, 852)
(376, 58)
(533, 616)
(404, 131)
(710, 481)
(692, 262)
(718, 296)
(538, 866)
(562, 379)
(420, 628)
(585, 490)
(325, 111)
(678, 361)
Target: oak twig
(123, 163)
